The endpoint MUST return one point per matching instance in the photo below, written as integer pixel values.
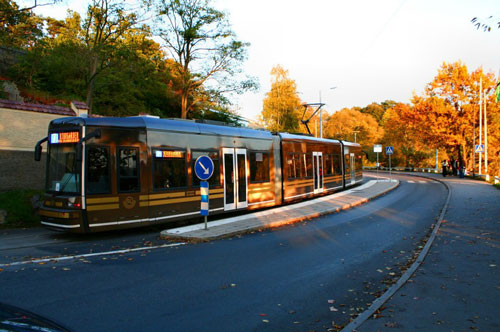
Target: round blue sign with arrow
(204, 168)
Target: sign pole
(377, 148)
(204, 201)
(390, 168)
(204, 168)
(389, 150)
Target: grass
(497, 185)
(19, 208)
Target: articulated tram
(113, 173)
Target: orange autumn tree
(343, 124)
(409, 149)
(444, 117)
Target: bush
(21, 208)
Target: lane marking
(104, 253)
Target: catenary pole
(480, 118)
(485, 139)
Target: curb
(365, 315)
(280, 223)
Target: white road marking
(105, 253)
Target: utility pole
(480, 118)
(321, 115)
(355, 132)
(485, 139)
(320, 118)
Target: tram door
(353, 169)
(235, 179)
(318, 172)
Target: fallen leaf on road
(66, 268)
(265, 321)
(331, 301)
(332, 308)
(380, 271)
(263, 315)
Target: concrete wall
(19, 132)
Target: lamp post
(355, 132)
(321, 114)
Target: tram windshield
(62, 171)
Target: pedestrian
(453, 165)
(444, 164)
(461, 165)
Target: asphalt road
(309, 276)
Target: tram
(114, 173)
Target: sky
(370, 51)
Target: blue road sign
(479, 148)
(204, 168)
(204, 198)
(389, 150)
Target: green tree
(19, 27)
(105, 25)
(282, 105)
(209, 57)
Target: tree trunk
(90, 87)
(184, 101)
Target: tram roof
(307, 138)
(170, 125)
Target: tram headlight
(73, 204)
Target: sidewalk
(457, 287)
(284, 215)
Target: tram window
(294, 163)
(128, 169)
(98, 170)
(259, 167)
(214, 181)
(347, 162)
(337, 166)
(169, 169)
(308, 169)
(328, 164)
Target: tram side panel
(116, 175)
(243, 176)
(353, 166)
(311, 167)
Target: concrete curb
(365, 315)
(166, 235)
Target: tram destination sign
(204, 168)
(65, 137)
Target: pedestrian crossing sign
(479, 148)
(389, 150)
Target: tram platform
(283, 215)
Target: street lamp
(355, 132)
(321, 114)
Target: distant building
(22, 125)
